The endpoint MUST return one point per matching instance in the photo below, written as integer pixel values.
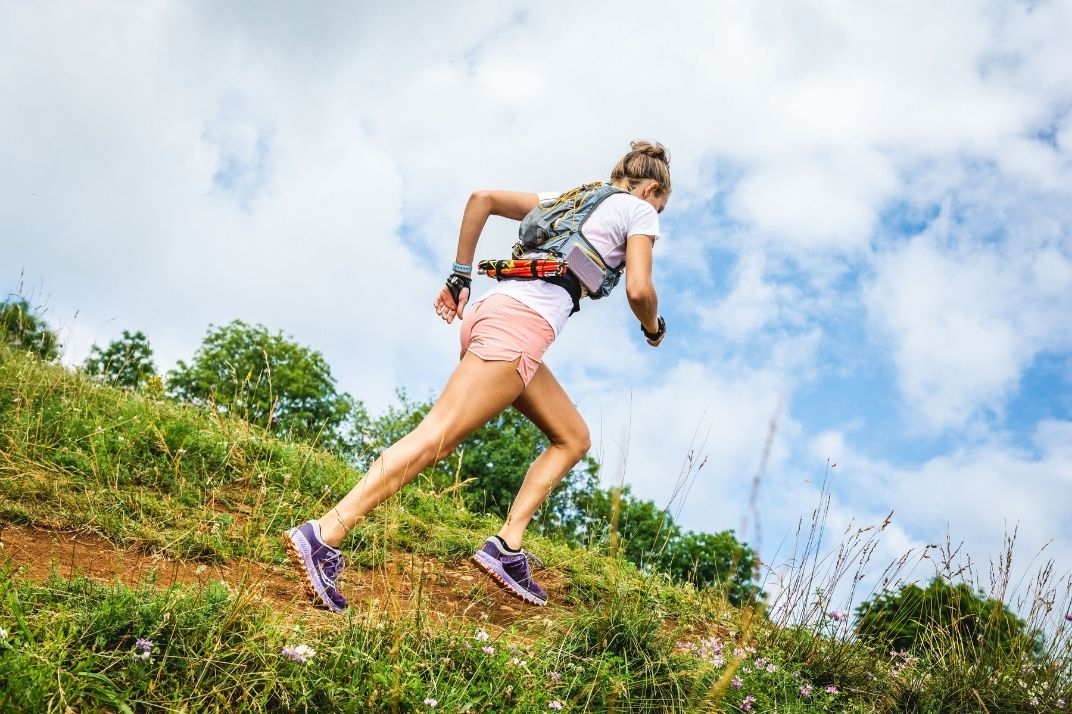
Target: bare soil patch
(407, 585)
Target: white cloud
(754, 304)
(966, 318)
(689, 435)
(976, 496)
(882, 525)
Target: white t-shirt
(619, 216)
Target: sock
(316, 531)
(504, 547)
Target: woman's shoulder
(630, 208)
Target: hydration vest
(556, 230)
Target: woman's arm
(639, 288)
(481, 205)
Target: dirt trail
(441, 590)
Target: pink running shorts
(501, 329)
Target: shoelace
(332, 564)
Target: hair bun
(653, 149)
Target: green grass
(163, 478)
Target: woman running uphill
(503, 339)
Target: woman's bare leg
(476, 392)
(546, 404)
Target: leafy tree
(644, 530)
(23, 329)
(648, 537)
(941, 613)
(714, 560)
(126, 362)
(268, 380)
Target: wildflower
(517, 662)
(431, 702)
(143, 649)
(718, 661)
(555, 704)
(838, 615)
(738, 652)
(1068, 616)
(555, 677)
(1060, 703)
(488, 650)
(1034, 701)
(805, 690)
(482, 636)
(300, 654)
(747, 702)
(736, 683)
(771, 667)
(3, 634)
(831, 689)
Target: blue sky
(868, 242)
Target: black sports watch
(655, 336)
(455, 283)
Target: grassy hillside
(182, 485)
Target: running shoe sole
(494, 568)
(303, 561)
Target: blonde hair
(645, 160)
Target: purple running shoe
(510, 569)
(319, 564)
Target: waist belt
(549, 270)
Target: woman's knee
(577, 442)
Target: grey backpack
(557, 230)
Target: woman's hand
(452, 298)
